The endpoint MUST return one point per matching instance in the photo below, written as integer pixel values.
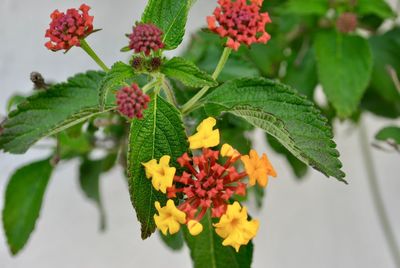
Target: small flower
(234, 227)
(67, 29)
(170, 218)
(161, 174)
(229, 151)
(258, 169)
(195, 227)
(205, 137)
(146, 38)
(347, 22)
(132, 101)
(241, 22)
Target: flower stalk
(86, 47)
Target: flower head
(161, 174)
(258, 169)
(234, 227)
(205, 137)
(67, 29)
(241, 22)
(347, 22)
(146, 38)
(169, 218)
(132, 101)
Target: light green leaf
(307, 7)
(51, 111)
(118, 76)
(23, 200)
(187, 72)
(14, 101)
(170, 16)
(389, 133)
(374, 7)
(385, 50)
(207, 250)
(284, 114)
(344, 65)
(160, 133)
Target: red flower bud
(146, 38)
(132, 101)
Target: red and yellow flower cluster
(67, 29)
(209, 182)
(240, 22)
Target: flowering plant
(191, 188)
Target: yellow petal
(194, 227)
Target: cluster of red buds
(240, 22)
(132, 101)
(67, 29)
(146, 38)
(347, 22)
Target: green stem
(377, 197)
(187, 107)
(169, 92)
(85, 46)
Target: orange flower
(258, 169)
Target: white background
(318, 222)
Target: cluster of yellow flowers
(208, 185)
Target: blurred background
(316, 222)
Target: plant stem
(169, 92)
(85, 46)
(222, 61)
(377, 197)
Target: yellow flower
(258, 169)
(162, 175)
(229, 151)
(195, 227)
(205, 137)
(234, 227)
(170, 218)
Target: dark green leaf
(376, 104)
(281, 112)
(119, 76)
(391, 133)
(170, 16)
(374, 7)
(174, 242)
(187, 72)
(207, 250)
(23, 200)
(14, 101)
(52, 111)
(161, 132)
(385, 50)
(344, 69)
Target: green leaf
(374, 7)
(385, 50)
(344, 65)
(170, 16)
(302, 74)
(307, 7)
(52, 111)
(207, 250)
(23, 200)
(281, 112)
(160, 133)
(119, 75)
(174, 242)
(389, 133)
(187, 72)
(89, 180)
(14, 101)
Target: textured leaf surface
(389, 133)
(170, 16)
(161, 132)
(374, 7)
(23, 200)
(188, 73)
(284, 114)
(344, 69)
(207, 250)
(385, 50)
(51, 111)
(119, 75)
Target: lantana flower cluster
(67, 29)
(241, 22)
(146, 38)
(131, 101)
(208, 183)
